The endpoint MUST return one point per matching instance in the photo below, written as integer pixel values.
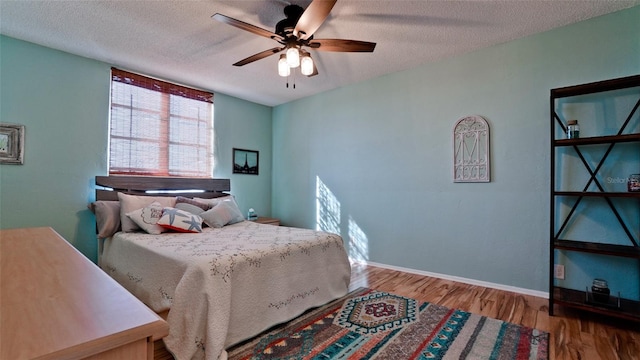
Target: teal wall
(245, 125)
(63, 101)
(374, 160)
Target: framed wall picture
(245, 161)
(11, 144)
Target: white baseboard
(515, 289)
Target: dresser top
(57, 304)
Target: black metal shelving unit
(581, 299)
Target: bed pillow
(180, 220)
(201, 204)
(107, 217)
(226, 212)
(194, 209)
(147, 218)
(236, 214)
(215, 201)
(129, 203)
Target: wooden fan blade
(258, 56)
(247, 27)
(311, 19)
(342, 45)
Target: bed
(223, 284)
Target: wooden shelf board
(598, 140)
(620, 194)
(598, 248)
(629, 309)
(600, 86)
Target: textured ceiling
(178, 40)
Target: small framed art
(11, 144)
(245, 161)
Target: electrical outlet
(558, 271)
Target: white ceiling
(178, 40)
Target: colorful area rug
(368, 324)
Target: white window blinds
(159, 128)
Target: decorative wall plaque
(471, 150)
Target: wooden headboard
(139, 185)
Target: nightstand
(268, 220)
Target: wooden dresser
(56, 304)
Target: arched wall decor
(471, 150)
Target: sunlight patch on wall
(358, 242)
(327, 209)
(328, 218)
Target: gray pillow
(201, 204)
(107, 217)
(226, 212)
(194, 209)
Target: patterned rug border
(371, 324)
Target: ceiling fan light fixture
(293, 57)
(283, 67)
(296, 33)
(306, 64)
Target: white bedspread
(229, 284)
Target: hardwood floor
(574, 335)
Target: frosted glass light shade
(283, 66)
(306, 65)
(293, 57)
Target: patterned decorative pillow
(226, 212)
(129, 203)
(180, 220)
(147, 218)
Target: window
(159, 128)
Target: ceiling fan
(295, 34)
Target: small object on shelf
(633, 183)
(251, 215)
(573, 129)
(612, 303)
(600, 290)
